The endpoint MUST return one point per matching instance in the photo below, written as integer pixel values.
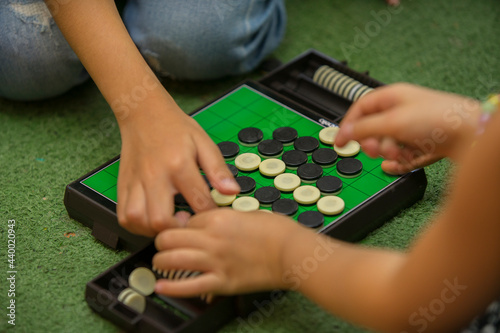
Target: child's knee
(36, 62)
(205, 43)
(38, 78)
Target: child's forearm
(446, 278)
(95, 31)
(152, 169)
(349, 281)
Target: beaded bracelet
(488, 108)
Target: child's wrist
(488, 108)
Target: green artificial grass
(447, 45)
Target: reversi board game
(291, 106)
(247, 107)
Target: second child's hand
(410, 126)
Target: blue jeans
(184, 39)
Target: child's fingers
(417, 159)
(122, 198)
(371, 147)
(380, 100)
(394, 167)
(159, 213)
(392, 2)
(377, 126)
(183, 217)
(188, 181)
(403, 164)
(131, 211)
(398, 167)
(186, 259)
(181, 238)
(389, 149)
(219, 220)
(190, 287)
(407, 162)
(212, 162)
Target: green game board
(247, 107)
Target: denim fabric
(185, 39)
(200, 39)
(36, 62)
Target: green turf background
(448, 45)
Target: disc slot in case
(162, 313)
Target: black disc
(311, 219)
(228, 149)
(233, 169)
(309, 172)
(329, 184)
(307, 144)
(207, 181)
(349, 166)
(285, 206)
(285, 134)
(250, 135)
(324, 156)
(294, 158)
(180, 201)
(270, 147)
(267, 195)
(247, 184)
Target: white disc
(366, 91)
(136, 301)
(341, 82)
(318, 73)
(272, 167)
(222, 199)
(124, 293)
(142, 280)
(246, 204)
(327, 135)
(186, 274)
(351, 148)
(287, 182)
(306, 195)
(354, 92)
(348, 89)
(331, 205)
(247, 161)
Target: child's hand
(162, 148)
(162, 153)
(392, 2)
(410, 126)
(237, 252)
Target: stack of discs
(340, 83)
(177, 274)
(141, 284)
